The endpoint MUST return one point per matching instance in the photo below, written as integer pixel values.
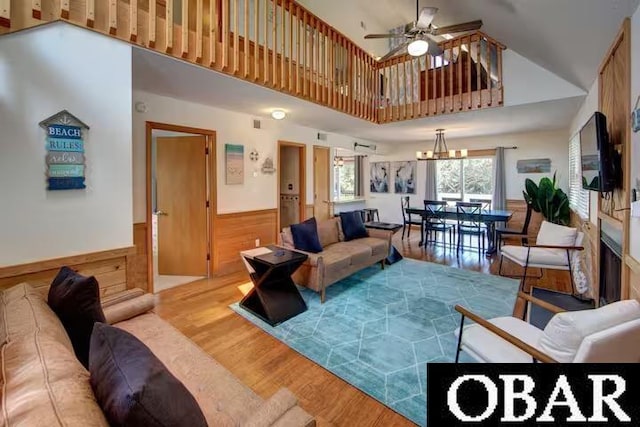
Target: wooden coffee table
(274, 297)
(394, 254)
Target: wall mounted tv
(599, 158)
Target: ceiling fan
(418, 34)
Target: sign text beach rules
(65, 151)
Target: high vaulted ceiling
(567, 37)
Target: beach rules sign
(65, 158)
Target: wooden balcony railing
(281, 45)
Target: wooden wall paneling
(109, 268)
(238, 232)
(137, 262)
(614, 86)
(634, 276)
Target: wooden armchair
(609, 334)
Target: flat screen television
(598, 157)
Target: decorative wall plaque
(65, 151)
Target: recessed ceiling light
(278, 114)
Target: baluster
(460, 74)
(500, 85)
(184, 42)
(469, 91)
(133, 20)
(199, 22)
(113, 17)
(427, 61)
(386, 91)
(479, 72)
(168, 25)
(256, 40)
(411, 80)
(265, 50)
(332, 69)
(283, 47)
(291, 7)
(64, 9)
(298, 53)
(151, 30)
(317, 61)
(451, 67)
(246, 59)
(325, 60)
(5, 13)
(349, 76)
(36, 10)
(419, 81)
(213, 31)
(90, 12)
(236, 37)
(488, 49)
(274, 51)
(397, 90)
(312, 58)
(305, 46)
(225, 33)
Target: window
(344, 179)
(465, 179)
(578, 197)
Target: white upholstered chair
(555, 249)
(609, 334)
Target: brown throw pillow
(133, 387)
(76, 301)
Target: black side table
(274, 297)
(394, 254)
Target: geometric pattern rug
(379, 328)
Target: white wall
(553, 145)
(525, 82)
(257, 192)
(634, 239)
(43, 71)
(588, 107)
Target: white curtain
(431, 187)
(499, 183)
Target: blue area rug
(378, 328)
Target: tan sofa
(338, 259)
(43, 384)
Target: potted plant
(548, 199)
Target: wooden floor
(200, 310)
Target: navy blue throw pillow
(305, 236)
(352, 225)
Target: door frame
(328, 178)
(211, 173)
(302, 153)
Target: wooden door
(181, 192)
(321, 190)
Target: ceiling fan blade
(426, 16)
(434, 47)
(393, 52)
(458, 28)
(383, 36)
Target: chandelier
(440, 150)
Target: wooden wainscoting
(519, 209)
(237, 232)
(137, 268)
(109, 267)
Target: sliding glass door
(467, 180)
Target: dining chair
(521, 234)
(406, 217)
(435, 223)
(469, 224)
(486, 204)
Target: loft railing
(281, 45)
(468, 76)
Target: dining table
(488, 217)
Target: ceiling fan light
(418, 47)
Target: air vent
(322, 136)
(256, 124)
